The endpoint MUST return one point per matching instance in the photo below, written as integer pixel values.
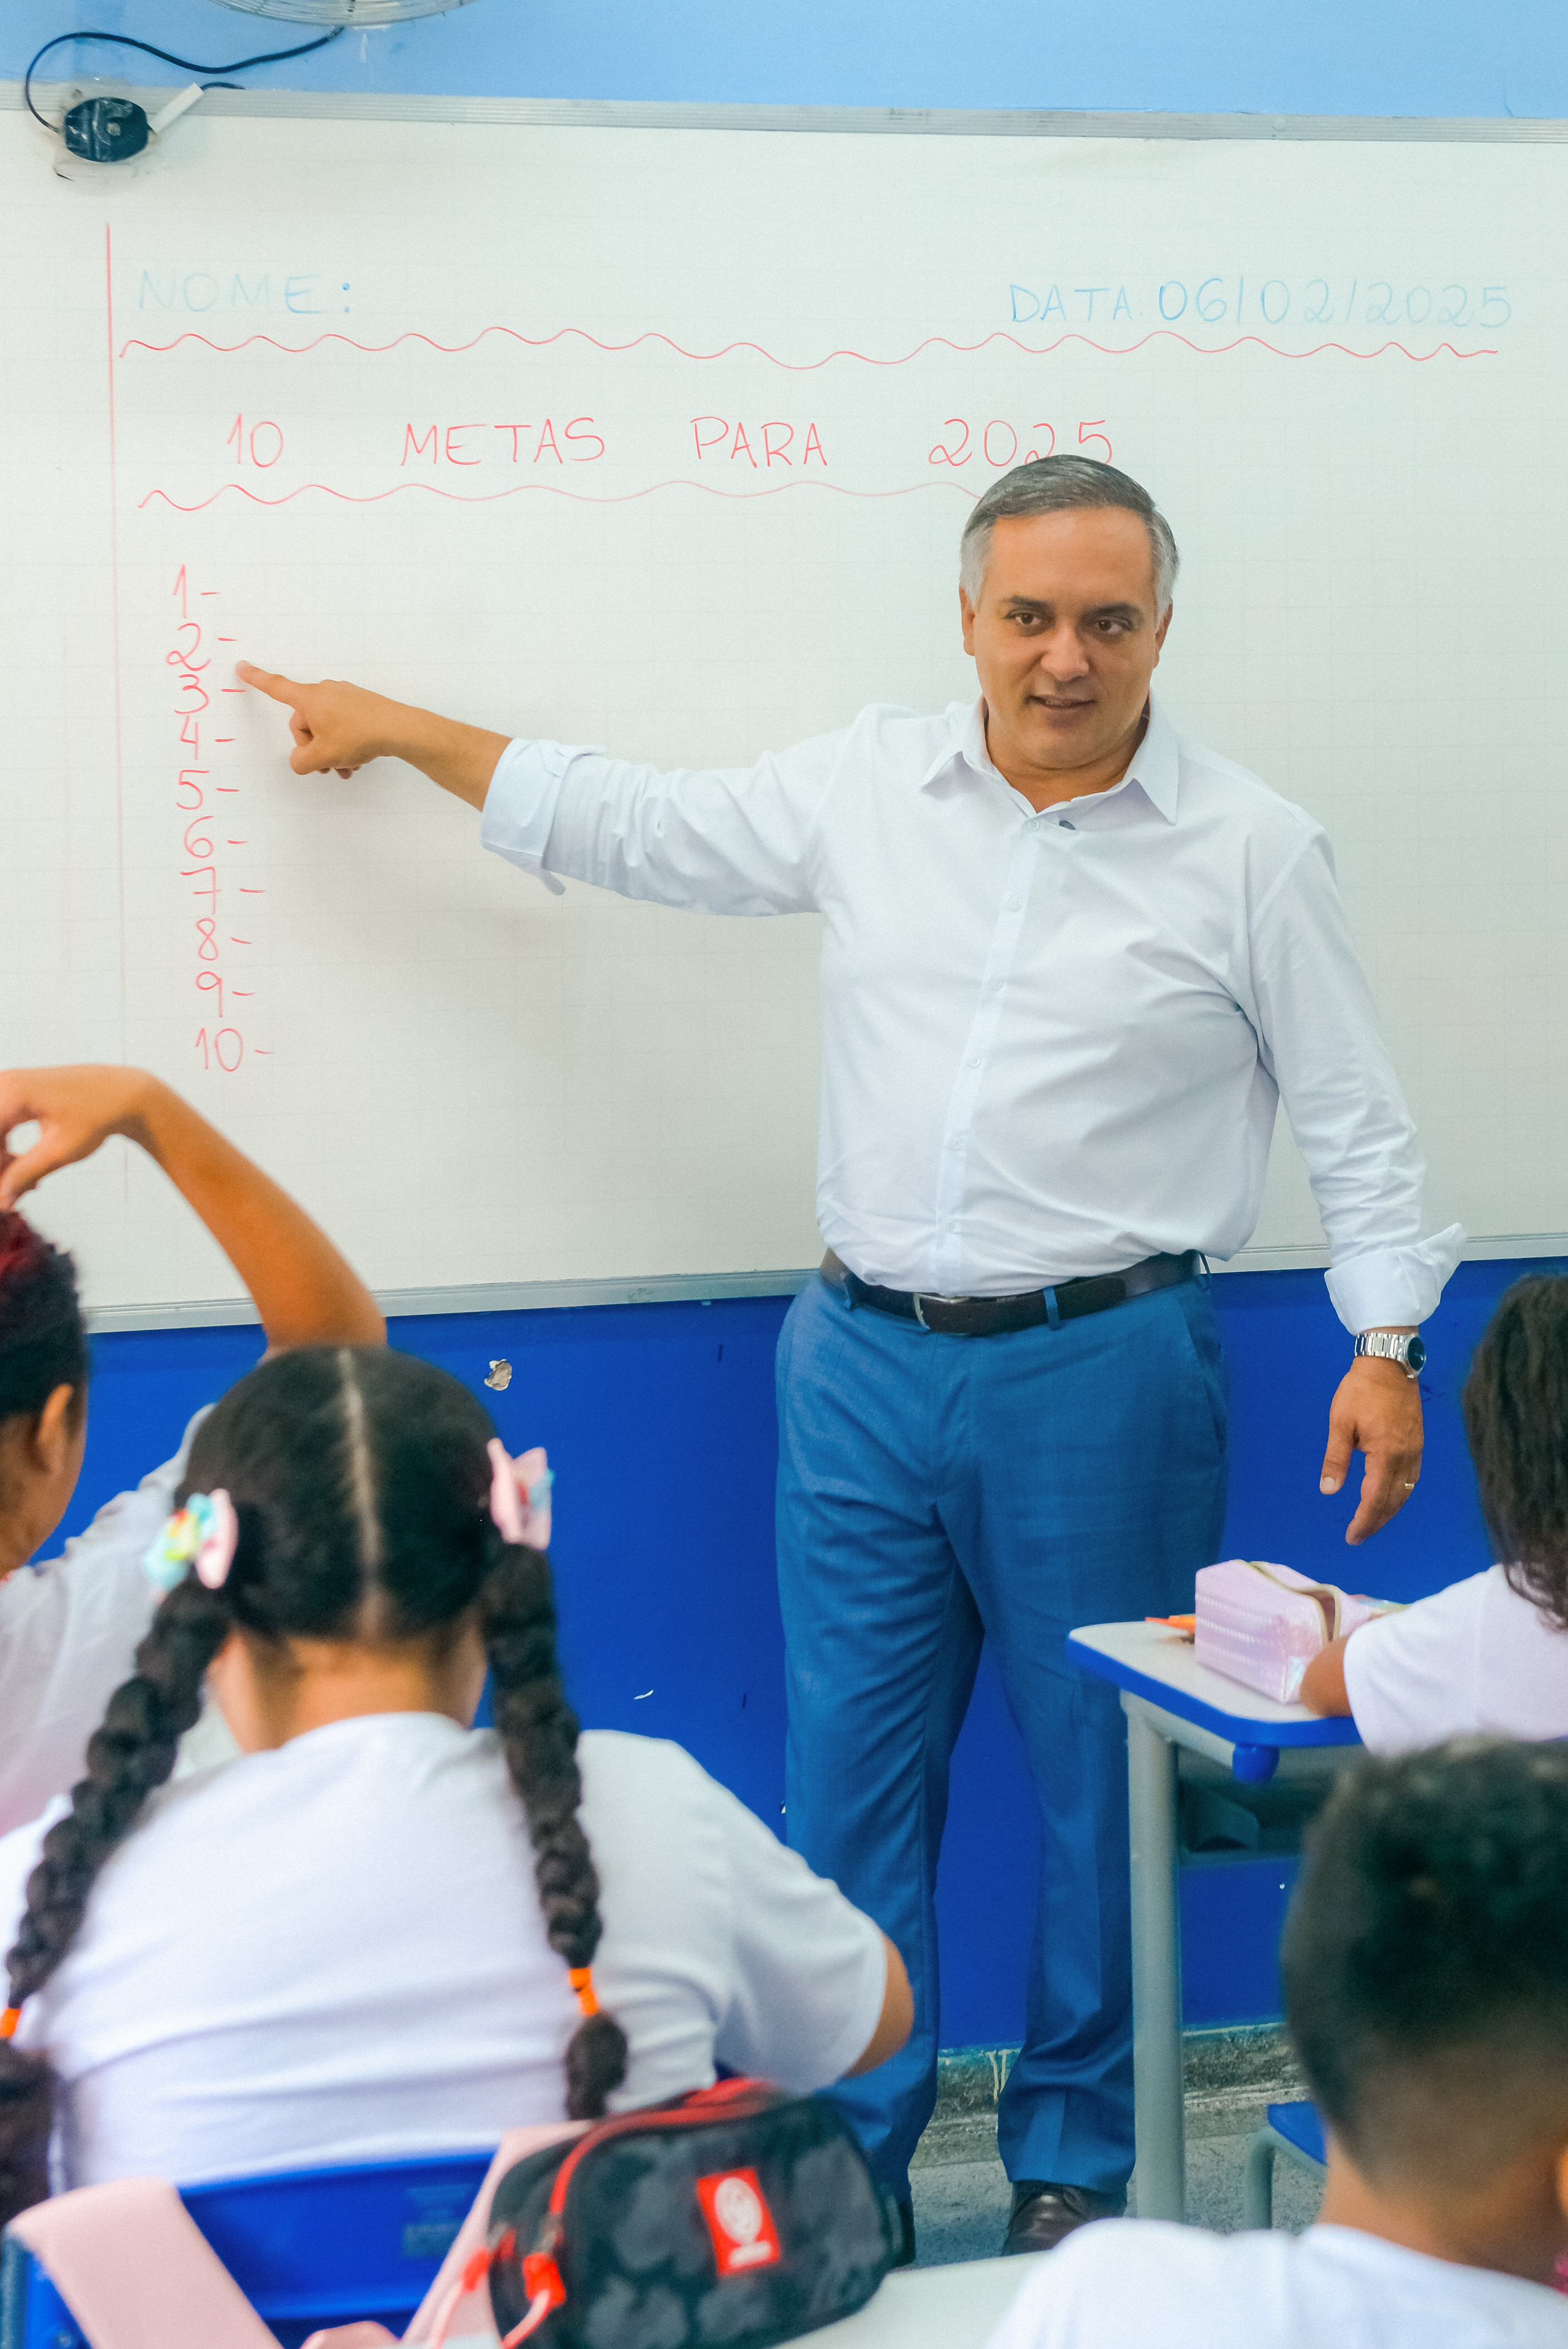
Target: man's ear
(1562, 2181)
(56, 1431)
(1160, 633)
(967, 619)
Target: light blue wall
(1340, 56)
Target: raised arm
(304, 1291)
(737, 840)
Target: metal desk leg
(1158, 2084)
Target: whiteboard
(661, 439)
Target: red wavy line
(579, 497)
(805, 366)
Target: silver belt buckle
(936, 1299)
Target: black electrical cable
(124, 41)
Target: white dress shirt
(1053, 1044)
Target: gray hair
(1063, 485)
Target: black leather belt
(994, 1317)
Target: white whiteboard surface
(438, 406)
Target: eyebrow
(1100, 611)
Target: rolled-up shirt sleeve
(717, 841)
(1322, 1041)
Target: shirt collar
(1155, 766)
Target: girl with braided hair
(68, 1626)
(381, 1933)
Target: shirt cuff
(520, 805)
(1395, 1288)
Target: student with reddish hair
(69, 1626)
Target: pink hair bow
(520, 1496)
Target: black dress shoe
(1043, 2212)
(904, 2218)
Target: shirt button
(997, 986)
(1014, 905)
(975, 1060)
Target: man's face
(1066, 634)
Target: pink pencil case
(1263, 1624)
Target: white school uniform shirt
(1053, 1044)
(334, 1952)
(68, 1632)
(1475, 1660)
(1132, 2284)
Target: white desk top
(1159, 1665)
(933, 2308)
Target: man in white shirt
(1425, 1973)
(1071, 963)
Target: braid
(131, 1754)
(538, 1731)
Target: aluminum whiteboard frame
(696, 1288)
(925, 122)
(628, 114)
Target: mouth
(1060, 702)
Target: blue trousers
(934, 1492)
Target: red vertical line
(114, 607)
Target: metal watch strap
(1386, 1345)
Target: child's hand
(76, 1109)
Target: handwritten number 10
(226, 1046)
(264, 444)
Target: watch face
(1416, 1354)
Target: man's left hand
(1378, 1411)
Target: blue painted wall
(659, 1422)
(670, 1621)
(1399, 56)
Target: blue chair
(307, 2247)
(1296, 2132)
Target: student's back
(354, 1943)
(1124, 2283)
(1426, 1980)
(335, 1952)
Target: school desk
(1173, 1701)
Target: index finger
(1384, 1489)
(271, 682)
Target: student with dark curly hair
(1489, 1653)
(68, 1626)
(379, 1933)
(1426, 1983)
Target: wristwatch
(1394, 1346)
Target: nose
(1062, 656)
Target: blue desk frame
(1172, 1701)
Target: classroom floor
(960, 2207)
